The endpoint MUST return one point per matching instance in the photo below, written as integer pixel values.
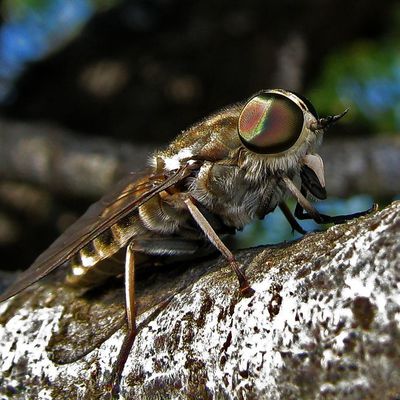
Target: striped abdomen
(99, 259)
(92, 264)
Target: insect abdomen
(92, 264)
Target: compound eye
(270, 123)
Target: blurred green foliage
(20, 7)
(364, 76)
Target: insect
(234, 166)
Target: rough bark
(324, 323)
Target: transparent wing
(128, 196)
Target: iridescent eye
(270, 123)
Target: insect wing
(127, 197)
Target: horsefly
(214, 178)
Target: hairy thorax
(229, 192)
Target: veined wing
(127, 197)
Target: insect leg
(131, 319)
(154, 246)
(302, 201)
(217, 242)
(336, 219)
(292, 221)
(312, 213)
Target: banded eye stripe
(306, 105)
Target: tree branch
(323, 322)
(64, 162)
(366, 165)
(70, 164)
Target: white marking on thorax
(174, 162)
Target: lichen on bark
(324, 323)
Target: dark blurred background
(88, 88)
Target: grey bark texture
(63, 162)
(324, 323)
